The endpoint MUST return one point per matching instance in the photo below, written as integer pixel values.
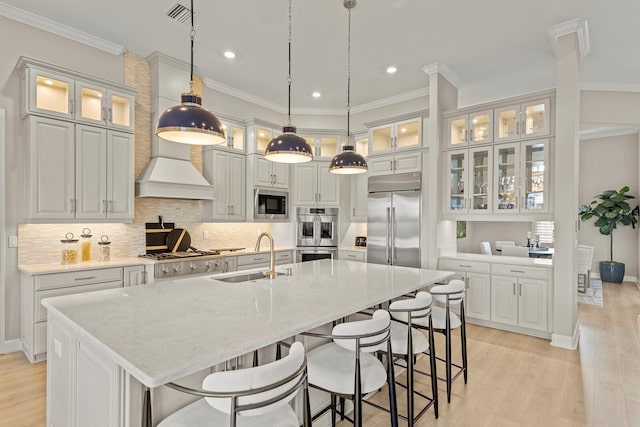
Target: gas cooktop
(179, 255)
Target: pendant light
(288, 147)
(348, 162)
(189, 123)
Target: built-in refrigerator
(393, 219)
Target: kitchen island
(105, 347)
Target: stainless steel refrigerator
(393, 228)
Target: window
(544, 229)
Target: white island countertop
(165, 331)
(35, 269)
(500, 259)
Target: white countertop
(35, 269)
(165, 331)
(499, 259)
(353, 248)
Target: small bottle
(69, 253)
(86, 244)
(105, 248)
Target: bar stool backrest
(418, 308)
(364, 335)
(258, 390)
(449, 294)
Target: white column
(443, 96)
(571, 44)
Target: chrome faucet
(271, 272)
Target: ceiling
(500, 41)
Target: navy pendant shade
(189, 123)
(348, 162)
(288, 147)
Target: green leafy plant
(611, 209)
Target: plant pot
(612, 272)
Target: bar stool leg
(432, 363)
(342, 403)
(393, 405)
(463, 337)
(333, 410)
(357, 398)
(410, 386)
(447, 333)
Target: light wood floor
(514, 380)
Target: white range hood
(170, 173)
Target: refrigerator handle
(393, 236)
(388, 243)
(316, 230)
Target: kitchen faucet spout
(271, 272)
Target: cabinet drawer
(253, 259)
(40, 313)
(40, 338)
(352, 256)
(75, 278)
(460, 265)
(284, 256)
(520, 271)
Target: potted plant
(611, 209)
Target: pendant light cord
(289, 78)
(349, 77)
(192, 35)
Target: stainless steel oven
(317, 227)
(315, 253)
(271, 204)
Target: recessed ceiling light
(391, 70)
(229, 54)
(316, 94)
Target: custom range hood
(170, 173)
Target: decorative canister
(105, 248)
(69, 252)
(85, 245)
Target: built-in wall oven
(317, 233)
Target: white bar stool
(407, 342)
(444, 321)
(252, 397)
(347, 368)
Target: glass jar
(104, 246)
(85, 245)
(69, 252)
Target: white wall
(609, 163)
(488, 231)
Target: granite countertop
(499, 259)
(165, 331)
(34, 269)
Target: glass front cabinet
(522, 121)
(403, 135)
(469, 129)
(469, 178)
(521, 177)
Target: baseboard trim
(625, 278)
(10, 346)
(565, 341)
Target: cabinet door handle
(104, 206)
(72, 203)
(145, 276)
(520, 288)
(110, 115)
(354, 211)
(470, 135)
(518, 128)
(466, 132)
(104, 114)
(230, 142)
(514, 288)
(517, 271)
(524, 128)
(231, 210)
(111, 203)
(85, 278)
(395, 165)
(71, 107)
(463, 265)
(390, 165)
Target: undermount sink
(246, 277)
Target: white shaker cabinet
(315, 185)
(395, 163)
(478, 284)
(226, 171)
(359, 197)
(468, 187)
(270, 174)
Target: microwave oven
(271, 204)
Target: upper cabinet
(401, 135)
(468, 129)
(525, 120)
(226, 171)
(259, 134)
(315, 185)
(235, 133)
(270, 174)
(468, 187)
(53, 92)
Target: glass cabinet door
(407, 134)
(481, 127)
(50, 93)
(506, 173)
(481, 160)
(90, 103)
(457, 127)
(119, 109)
(536, 118)
(362, 145)
(507, 126)
(457, 164)
(263, 136)
(235, 136)
(327, 146)
(535, 160)
(381, 139)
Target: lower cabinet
(262, 259)
(478, 282)
(519, 302)
(355, 255)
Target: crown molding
(606, 132)
(245, 96)
(610, 87)
(46, 24)
(578, 26)
(445, 71)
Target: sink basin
(246, 277)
